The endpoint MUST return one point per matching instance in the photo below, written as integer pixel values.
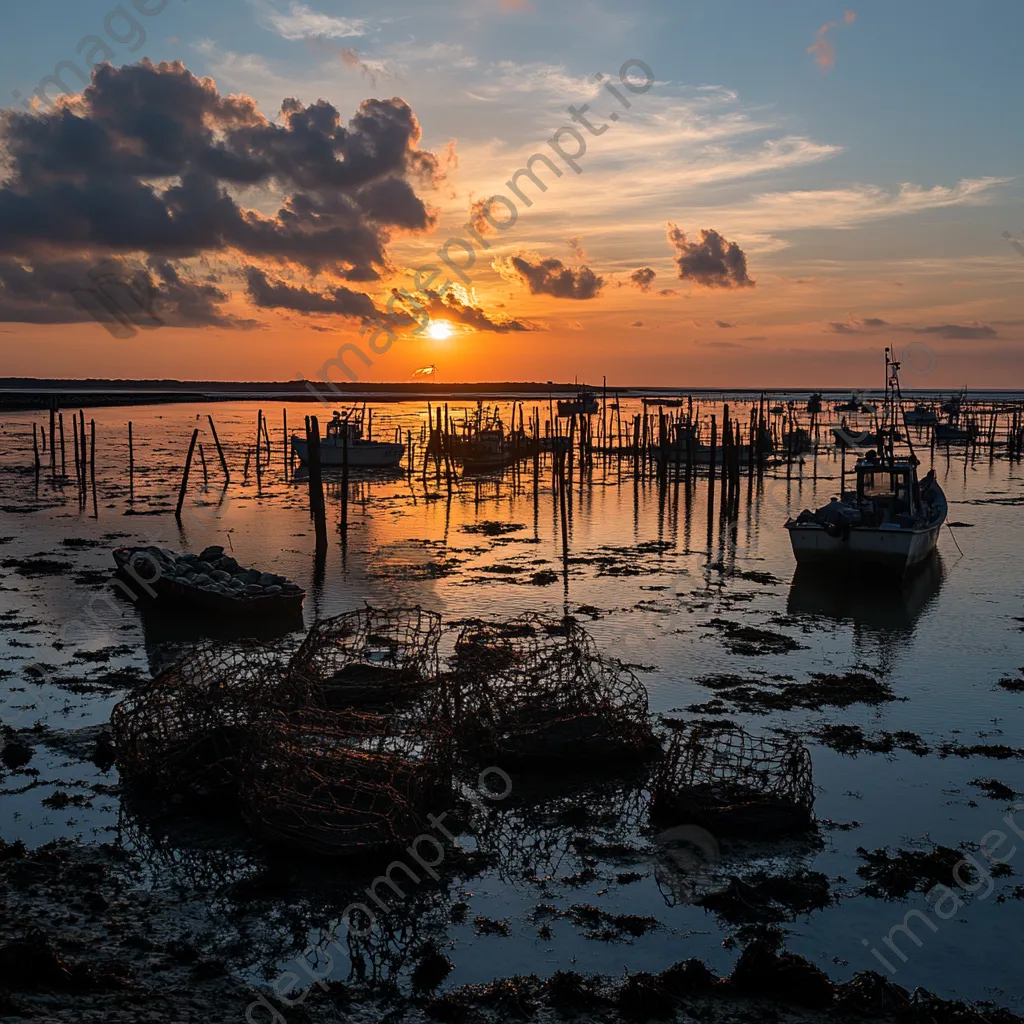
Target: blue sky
(882, 175)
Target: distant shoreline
(26, 393)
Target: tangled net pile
(370, 656)
(189, 734)
(239, 726)
(534, 690)
(732, 783)
(348, 746)
(333, 782)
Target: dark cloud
(637, 323)
(726, 325)
(711, 262)
(151, 159)
(550, 277)
(949, 332)
(477, 219)
(112, 292)
(959, 332)
(451, 307)
(643, 278)
(280, 295)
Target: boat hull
(872, 550)
(361, 454)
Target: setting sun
(439, 330)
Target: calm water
(647, 574)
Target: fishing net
(730, 782)
(189, 734)
(533, 690)
(341, 783)
(370, 656)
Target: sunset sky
(799, 185)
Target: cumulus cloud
(823, 48)
(152, 157)
(114, 292)
(281, 295)
(550, 276)
(710, 262)
(643, 278)
(477, 219)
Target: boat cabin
(338, 427)
(889, 488)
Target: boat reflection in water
(882, 612)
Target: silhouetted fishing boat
(347, 432)
(889, 523)
(952, 432)
(584, 404)
(920, 416)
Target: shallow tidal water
(660, 587)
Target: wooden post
(220, 451)
(316, 485)
(259, 442)
(131, 466)
(344, 480)
(202, 459)
(53, 436)
(92, 467)
(35, 446)
(284, 421)
(564, 514)
(63, 462)
(84, 459)
(184, 476)
(74, 434)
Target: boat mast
(893, 405)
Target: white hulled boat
(346, 432)
(888, 523)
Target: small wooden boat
(854, 405)
(345, 443)
(888, 524)
(952, 432)
(210, 581)
(487, 450)
(920, 416)
(584, 404)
